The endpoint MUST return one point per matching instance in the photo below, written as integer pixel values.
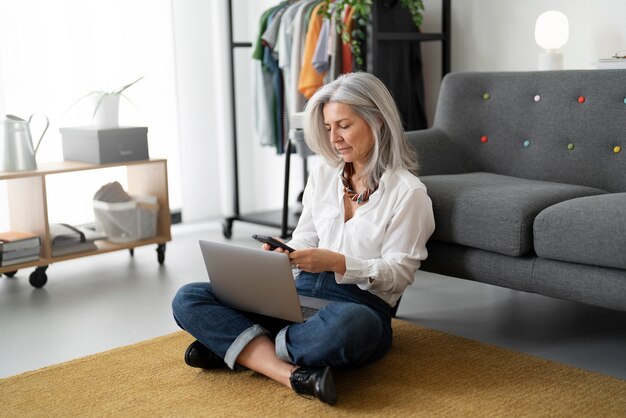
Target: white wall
(499, 35)
(495, 35)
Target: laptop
(258, 281)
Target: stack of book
(18, 247)
(610, 63)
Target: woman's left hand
(317, 260)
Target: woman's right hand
(267, 247)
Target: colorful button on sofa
(528, 182)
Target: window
(53, 52)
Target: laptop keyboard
(308, 312)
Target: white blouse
(383, 243)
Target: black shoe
(197, 355)
(316, 382)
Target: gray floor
(94, 304)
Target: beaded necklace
(359, 198)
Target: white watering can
(16, 144)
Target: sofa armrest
(436, 154)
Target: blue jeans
(353, 330)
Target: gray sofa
(527, 174)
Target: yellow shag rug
(426, 373)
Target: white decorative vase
(106, 111)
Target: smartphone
(273, 242)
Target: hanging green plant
(416, 7)
(362, 10)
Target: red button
(484, 138)
(581, 99)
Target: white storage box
(127, 221)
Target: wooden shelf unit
(28, 205)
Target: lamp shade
(551, 30)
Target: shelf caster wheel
(10, 273)
(161, 253)
(227, 228)
(132, 252)
(38, 278)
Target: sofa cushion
(589, 230)
(491, 211)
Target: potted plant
(106, 106)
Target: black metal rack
(280, 218)
(284, 218)
(379, 33)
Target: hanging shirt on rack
(294, 96)
(346, 52)
(310, 80)
(320, 59)
(284, 50)
(268, 86)
(262, 118)
(270, 35)
(278, 103)
(334, 49)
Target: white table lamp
(551, 33)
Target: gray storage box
(103, 146)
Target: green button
(526, 143)
(570, 146)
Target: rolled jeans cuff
(241, 342)
(281, 345)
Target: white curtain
(53, 52)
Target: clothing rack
(282, 218)
(377, 33)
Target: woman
(359, 241)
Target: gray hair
(368, 97)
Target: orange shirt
(310, 80)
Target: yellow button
(570, 146)
(617, 149)
(486, 96)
